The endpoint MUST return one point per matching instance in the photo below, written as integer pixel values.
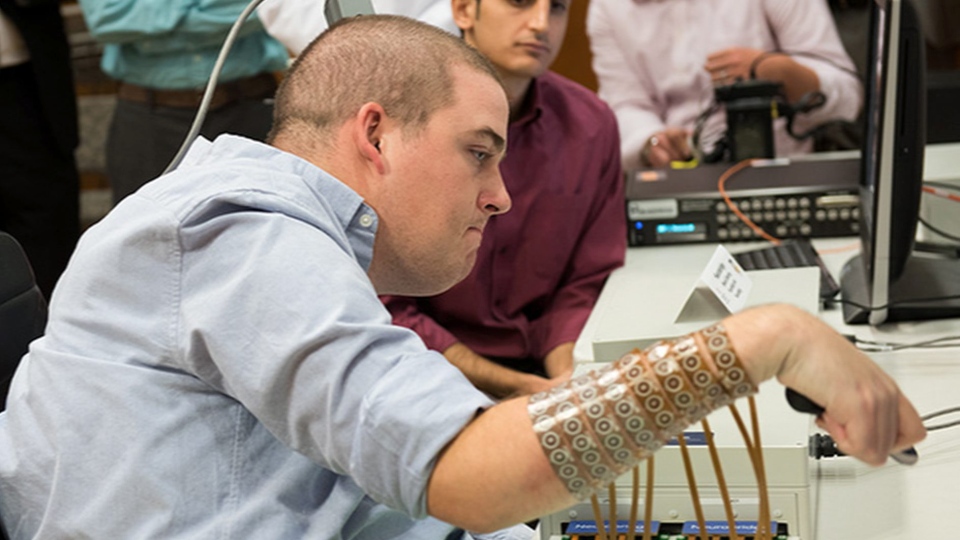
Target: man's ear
(464, 13)
(368, 134)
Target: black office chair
(23, 310)
(23, 314)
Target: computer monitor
(334, 10)
(886, 281)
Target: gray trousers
(143, 139)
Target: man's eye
(480, 155)
(559, 7)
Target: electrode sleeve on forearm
(598, 425)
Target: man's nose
(540, 16)
(496, 200)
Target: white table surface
(855, 501)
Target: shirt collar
(357, 220)
(532, 106)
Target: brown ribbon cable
(721, 481)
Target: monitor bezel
(892, 156)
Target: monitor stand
(923, 277)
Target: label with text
(727, 280)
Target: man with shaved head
(218, 363)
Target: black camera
(751, 106)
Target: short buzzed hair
(402, 64)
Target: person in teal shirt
(162, 53)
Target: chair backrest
(23, 310)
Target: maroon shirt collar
(532, 108)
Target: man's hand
(731, 65)
(865, 412)
(665, 146)
(490, 377)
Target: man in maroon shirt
(510, 326)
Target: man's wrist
(766, 338)
(762, 57)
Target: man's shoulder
(236, 176)
(554, 83)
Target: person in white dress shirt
(296, 22)
(657, 63)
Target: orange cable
(634, 503)
(692, 484)
(598, 517)
(752, 451)
(762, 479)
(721, 480)
(726, 198)
(648, 503)
(612, 493)
(743, 433)
(846, 247)
(941, 193)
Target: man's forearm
(798, 80)
(503, 454)
(559, 361)
(490, 377)
(508, 446)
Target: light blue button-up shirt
(218, 365)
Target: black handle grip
(802, 403)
